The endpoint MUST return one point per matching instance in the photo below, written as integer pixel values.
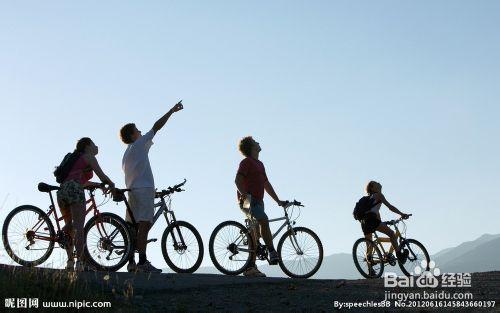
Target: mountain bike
(300, 250)
(29, 236)
(181, 243)
(370, 256)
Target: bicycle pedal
(152, 240)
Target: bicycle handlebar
(94, 187)
(171, 190)
(179, 185)
(394, 222)
(292, 203)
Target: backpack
(363, 206)
(62, 171)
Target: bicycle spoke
(22, 250)
(300, 253)
(230, 236)
(105, 241)
(182, 248)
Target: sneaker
(273, 258)
(253, 272)
(402, 256)
(70, 265)
(131, 267)
(84, 267)
(147, 267)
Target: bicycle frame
(165, 210)
(380, 240)
(254, 224)
(52, 210)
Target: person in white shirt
(139, 178)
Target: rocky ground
(217, 293)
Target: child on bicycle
(372, 222)
(251, 182)
(71, 200)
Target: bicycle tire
(170, 230)
(8, 246)
(244, 231)
(406, 244)
(282, 264)
(122, 227)
(356, 261)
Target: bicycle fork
(295, 243)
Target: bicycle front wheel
(28, 235)
(182, 247)
(300, 252)
(108, 244)
(368, 258)
(230, 248)
(417, 257)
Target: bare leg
(369, 248)
(386, 230)
(369, 251)
(69, 231)
(266, 234)
(142, 237)
(70, 248)
(255, 239)
(78, 217)
(133, 235)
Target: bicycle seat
(43, 187)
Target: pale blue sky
(337, 93)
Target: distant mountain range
(480, 255)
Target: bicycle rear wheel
(300, 252)
(108, 245)
(229, 248)
(182, 247)
(28, 235)
(417, 254)
(367, 258)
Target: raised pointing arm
(163, 120)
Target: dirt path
(217, 293)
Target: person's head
(249, 147)
(86, 145)
(373, 187)
(129, 133)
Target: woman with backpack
(74, 176)
(371, 221)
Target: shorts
(142, 203)
(370, 223)
(71, 192)
(256, 210)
